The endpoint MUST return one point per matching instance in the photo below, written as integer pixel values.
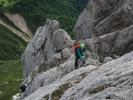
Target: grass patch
(10, 78)
(60, 91)
(11, 46)
(99, 88)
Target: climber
(80, 55)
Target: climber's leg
(76, 63)
(83, 61)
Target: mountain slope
(108, 71)
(22, 35)
(10, 78)
(13, 39)
(11, 46)
(50, 73)
(36, 11)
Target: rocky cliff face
(107, 74)
(103, 17)
(116, 43)
(49, 57)
(94, 81)
(56, 79)
(112, 80)
(47, 41)
(110, 21)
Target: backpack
(82, 45)
(76, 45)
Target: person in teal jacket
(80, 54)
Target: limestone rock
(104, 16)
(66, 53)
(40, 78)
(84, 26)
(37, 79)
(90, 61)
(69, 80)
(61, 39)
(112, 80)
(118, 42)
(107, 59)
(44, 46)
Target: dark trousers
(76, 63)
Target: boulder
(47, 41)
(61, 39)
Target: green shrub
(11, 46)
(10, 78)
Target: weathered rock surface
(37, 79)
(67, 81)
(119, 42)
(41, 77)
(46, 42)
(104, 16)
(61, 39)
(49, 62)
(107, 59)
(113, 80)
(92, 82)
